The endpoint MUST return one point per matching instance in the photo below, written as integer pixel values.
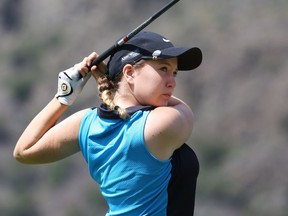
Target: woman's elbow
(19, 155)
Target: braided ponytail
(107, 89)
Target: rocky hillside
(238, 95)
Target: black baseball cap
(150, 45)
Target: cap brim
(188, 58)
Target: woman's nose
(171, 82)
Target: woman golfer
(134, 143)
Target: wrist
(59, 104)
(63, 101)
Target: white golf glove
(70, 85)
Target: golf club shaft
(127, 37)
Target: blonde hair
(107, 89)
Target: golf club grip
(104, 55)
(123, 40)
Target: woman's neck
(125, 100)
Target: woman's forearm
(181, 106)
(173, 101)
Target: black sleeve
(182, 185)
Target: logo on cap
(129, 56)
(166, 40)
(156, 53)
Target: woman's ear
(128, 73)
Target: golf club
(128, 36)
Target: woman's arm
(167, 128)
(43, 141)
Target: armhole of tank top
(86, 114)
(145, 145)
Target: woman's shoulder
(167, 128)
(171, 117)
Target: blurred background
(238, 95)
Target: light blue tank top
(131, 179)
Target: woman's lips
(167, 95)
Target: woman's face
(154, 82)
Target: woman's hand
(72, 80)
(83, 67)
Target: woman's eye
(164, 69)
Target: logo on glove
(64, 88)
